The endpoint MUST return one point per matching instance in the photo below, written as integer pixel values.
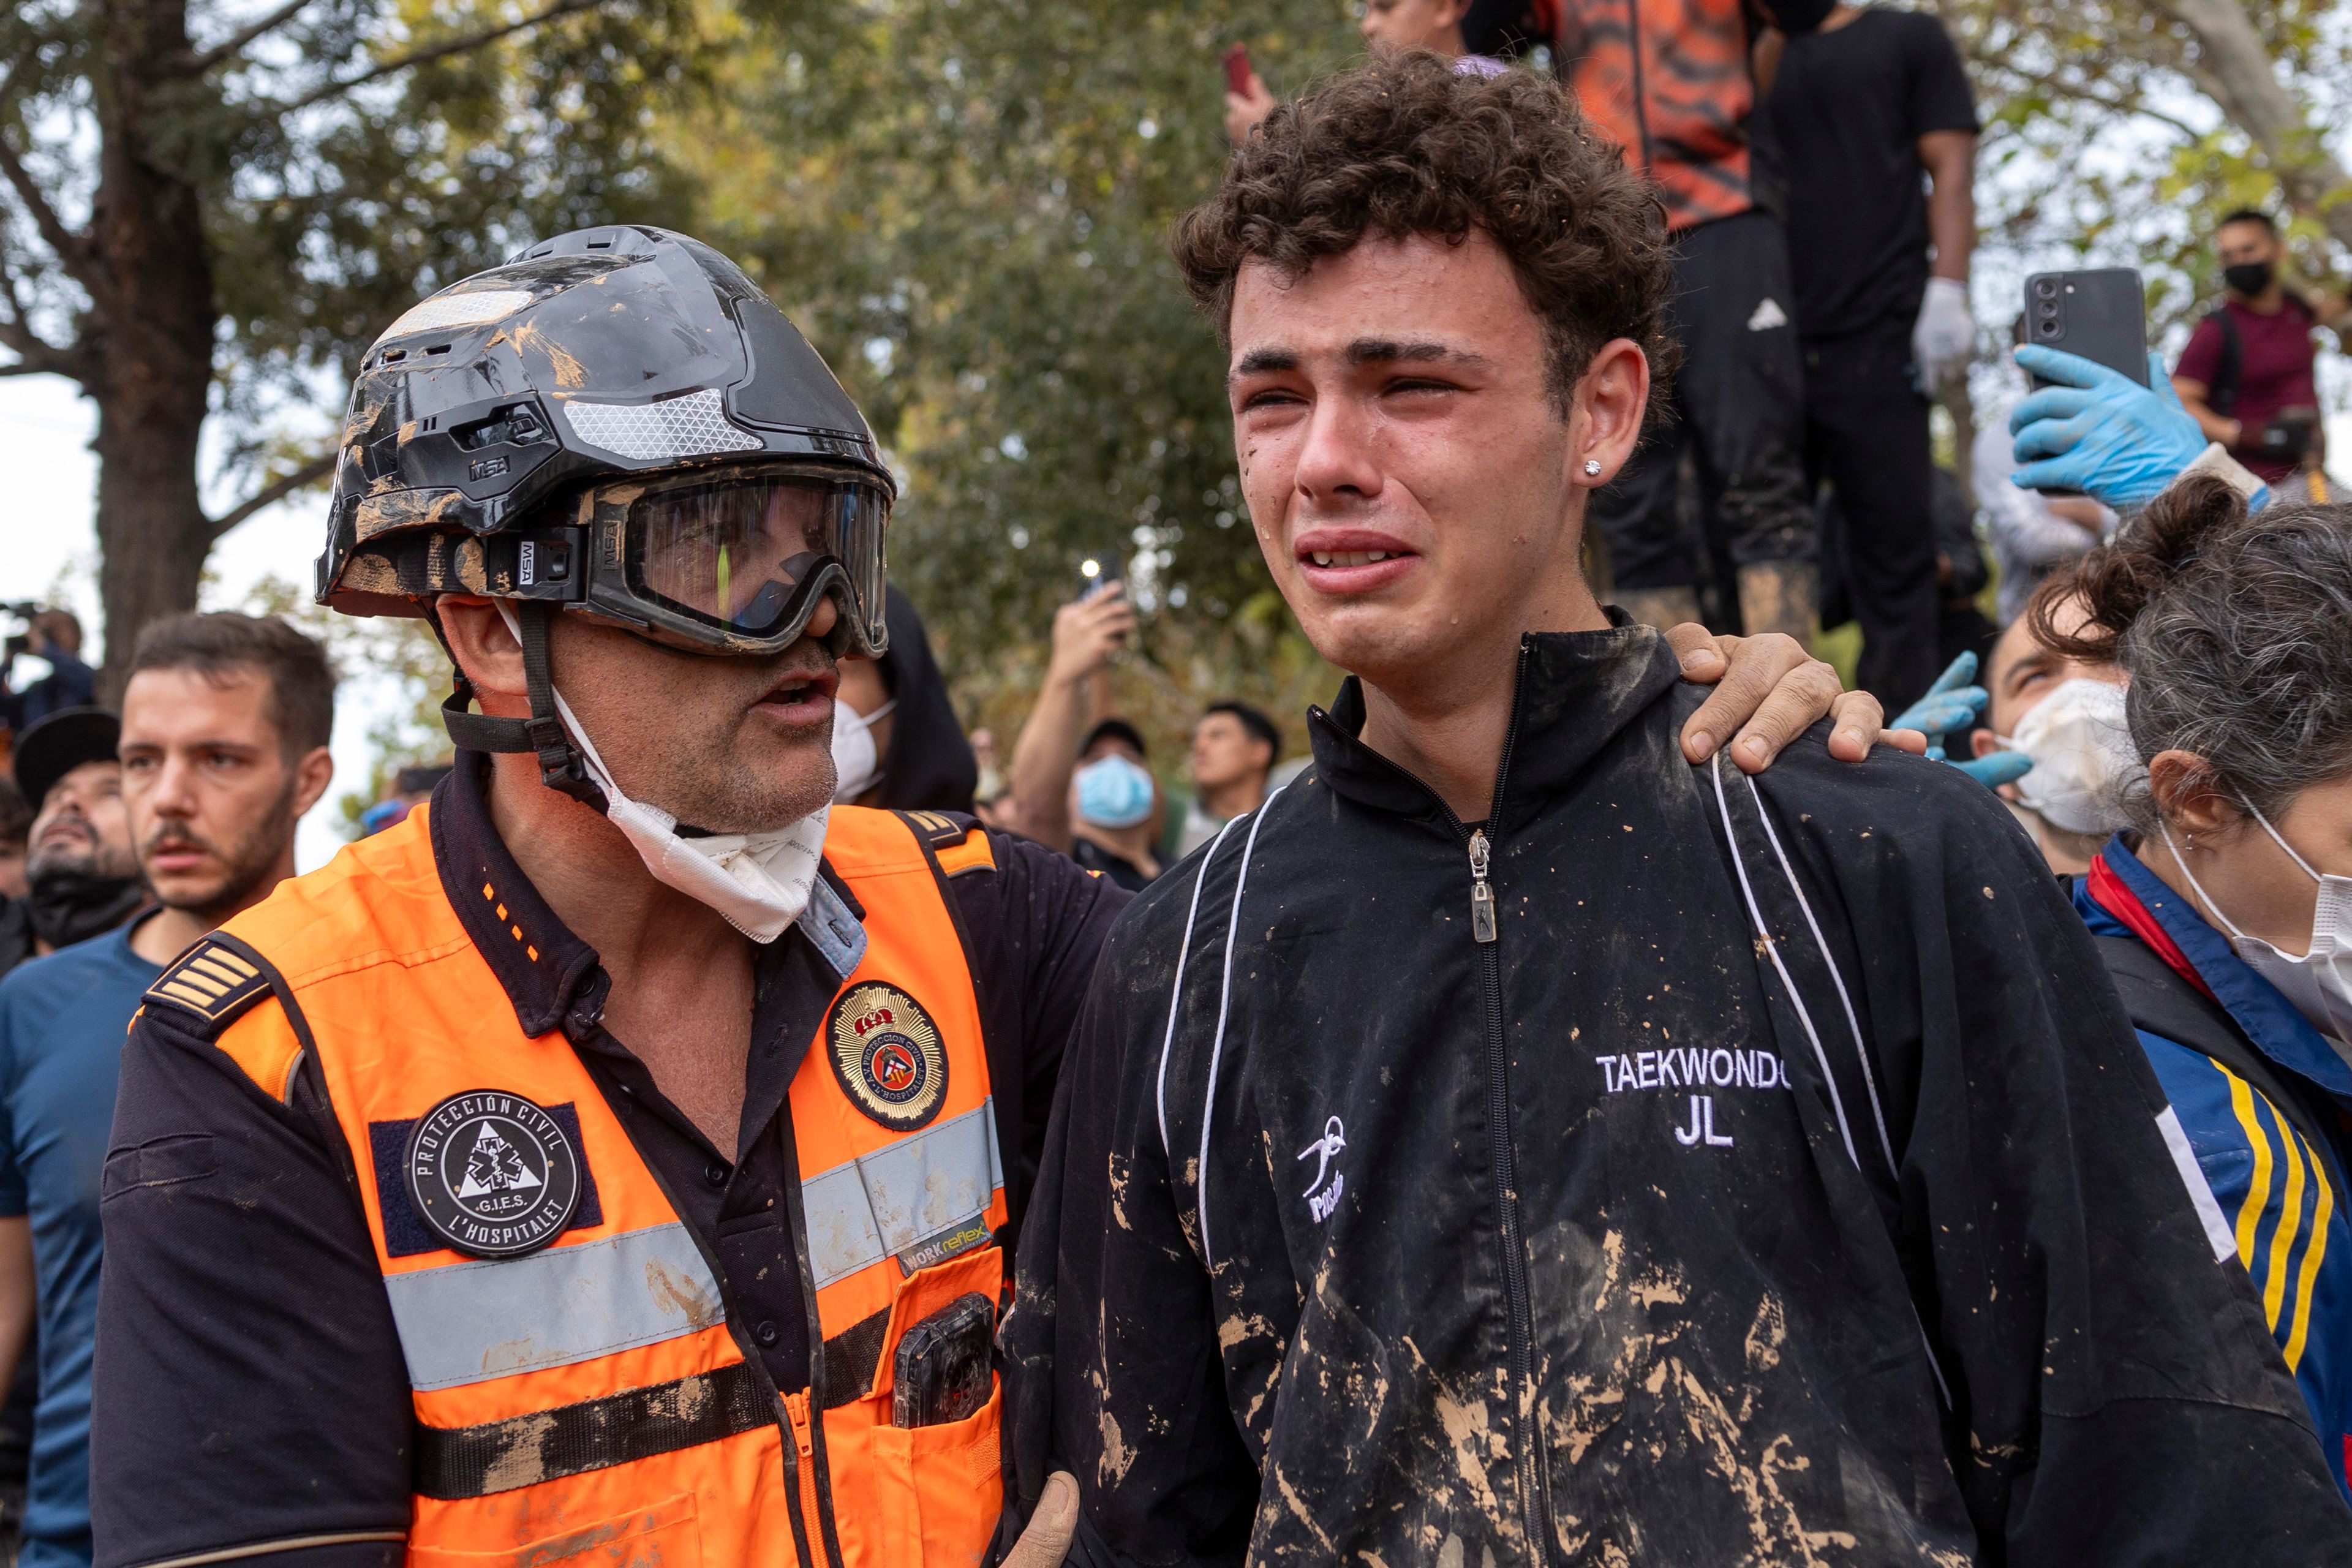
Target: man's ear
(1606, 422)
(486, 650)
(312, 774)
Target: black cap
(1115, 730)
(61, 743)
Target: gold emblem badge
(887, 1055)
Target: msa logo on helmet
(887, 1054)
(492, 1174)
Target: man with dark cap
(81, 875)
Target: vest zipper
(1534, 1487)
(797, 1406)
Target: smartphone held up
(2100, 314)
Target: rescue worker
(1512, 1144)
(616, 1156)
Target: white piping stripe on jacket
(1772, 948)
(1739, 865)
(1869, 1078)
(1176, 994)
(1217, 1045)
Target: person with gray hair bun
(2225, 911)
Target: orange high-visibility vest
(588, 1398)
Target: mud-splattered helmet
(618, 424)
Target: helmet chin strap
(542, 734)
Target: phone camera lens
(2046, 288)
(2048, 310)
(2049, 329)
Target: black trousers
(1735, 410)
(1866, 435)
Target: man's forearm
(2217, 426)
(1044, 759)
(1950, 160)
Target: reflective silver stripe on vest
(470, 1323)
(902, 1194)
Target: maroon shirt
(2274, 372)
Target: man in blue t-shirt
(222, 746)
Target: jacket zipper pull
(1482, 897)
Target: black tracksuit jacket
(1610, 1240)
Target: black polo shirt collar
(547, 972)
(552, 977)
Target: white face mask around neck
(2319, 982)
(757, 882)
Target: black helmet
(619, 424)
(613, 422)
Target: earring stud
(1592, 468)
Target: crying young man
(1518, 1142)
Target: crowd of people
(1608, 1095)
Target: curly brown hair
(1406, 145)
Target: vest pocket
(666, 1534)
(935, 1492)
(939, 1489)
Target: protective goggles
(732, 560)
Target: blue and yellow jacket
(2282, 1199)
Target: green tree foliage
(966, 202)
(209, 208)
(2120, 130)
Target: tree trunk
(154, 334)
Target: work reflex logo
(492, 1173)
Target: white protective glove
(1944, 336)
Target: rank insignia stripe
(888, 1056)
(212, 982)
(935, 828)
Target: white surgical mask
(2083, 756)
(757, 882)
(2319, 982)
(856, 764)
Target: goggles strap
(542, 734)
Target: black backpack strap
(1829, 1062)
(2162, 1002)
(2222, 395)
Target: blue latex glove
(1996, 768)
(2101, 433)
(1951, 704)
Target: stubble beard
(719, 791)
(95, 858)
(246, 864)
